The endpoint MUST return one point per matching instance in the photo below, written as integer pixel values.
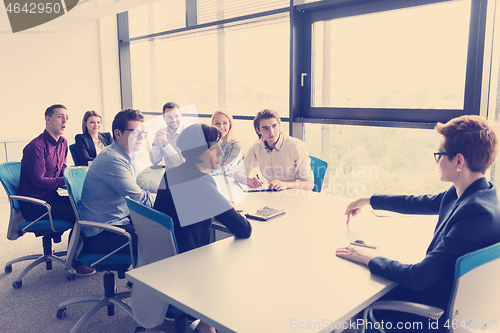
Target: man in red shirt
(42, 167)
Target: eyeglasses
(437, 156)
(136, 132)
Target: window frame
(301, 110)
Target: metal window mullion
(191, 13)
(124, 60)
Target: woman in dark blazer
(469, 218)
(91, 142)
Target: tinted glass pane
(160, 16)
(367, 160)
(408, 58)
(243, 68)
(215, 10)
(257, 63)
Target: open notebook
(263, 188)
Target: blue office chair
(74, 154)
(474, 301)
(49, 229)
(156, 241)
(319, 168)
(108, 262)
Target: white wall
(71, 60)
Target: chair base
(47, 257)
(109, 299)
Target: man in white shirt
(282, 160)
(165, 142)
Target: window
(210, 10)
(159, 16)
(407, 64)
(242, 67)
(364, 160)
(406, 59)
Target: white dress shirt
(169, 150)
(288, 161)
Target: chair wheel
(8, 269)
(70, 277)
(17, 284)
(139, 329)
(61, 313)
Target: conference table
(286, 276)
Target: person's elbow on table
(246, 232)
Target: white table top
(286, 275)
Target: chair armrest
(409, 307)
(104, 226)
(37, 202)
(29, 199)
(115, 230)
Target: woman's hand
(354, 254)
(355, 207)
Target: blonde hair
(230, 134)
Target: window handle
(302, 76)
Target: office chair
(49, 229)
(74, 154)
(156, 241)
(108, 262)
(318, 167)
(475, 299)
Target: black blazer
(465, 224)
(85, 146)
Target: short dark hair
(264, 114)
(472, 137)
(123, 117)
(170, 105)
(50, 110)
(194, 140)
(86, 116)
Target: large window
(363, 82)
(157, 17)
(364, 160)
(408, 58)
(405, 63)
(241, 66)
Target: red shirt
(42, 166)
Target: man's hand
(160, 138)
(254, 182)
(276, 185)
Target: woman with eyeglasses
(92, 141)
(189, 194)
(469, 218)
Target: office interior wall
(69, 60)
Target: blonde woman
(229, 145)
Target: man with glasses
(111, 177)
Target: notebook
(263, 188)
(266, 213)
